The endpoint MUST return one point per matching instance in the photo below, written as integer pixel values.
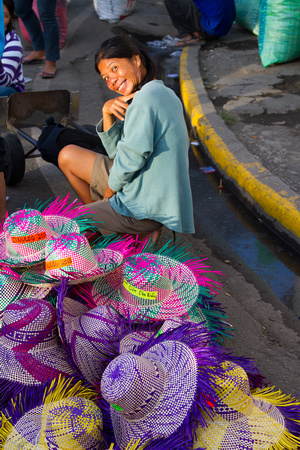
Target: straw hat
(12, 290)
(25, 234)
(88, 335)
(149, 284)
(59, 416)
(71, 256)
(30, 349)
(151, 394)
(263, 419)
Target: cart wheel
(90, 128)
(15, 158)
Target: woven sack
(247, 14)
(115, 10)
(279, 31)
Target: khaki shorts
(107, 219)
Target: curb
(264, 193)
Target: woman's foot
(49, 70)
(34, 57)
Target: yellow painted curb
(284, 210)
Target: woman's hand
(113, 108)
(108, 193)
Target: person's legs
(185, 16)
(108, 221)
(23, 9)
(47, 15)
(77, 163)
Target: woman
(11, 73)
(45, 42)
(143, 183)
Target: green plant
(228, 118)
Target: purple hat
(60, 415)
(89, 335)
(150, 393)
(12, 290)
(30, 349)
(71, 256)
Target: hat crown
(233, 389)
(26, 232)
(133, 385)
(146, 282)
(69, 254)
(133, 340)
(29, 324)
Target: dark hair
(11, 8)
(124, 47)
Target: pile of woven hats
(118, 346)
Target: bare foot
(49, 68)
(35, 55)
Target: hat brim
(59, 225)
(107, 261)
(184, 294)
(12, 290)
(31, 368)
(261, 429)
(167, 416)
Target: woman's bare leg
(77, 163)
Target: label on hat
(58, 263)
(31, 238)
(139, 292)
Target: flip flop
(45, 74)
(32, 61)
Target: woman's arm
(115, 108)
(137, 142)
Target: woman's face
(122, 75)
(6, 16)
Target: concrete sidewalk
(247, 119)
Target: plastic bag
(114, 10)
(279, 31)
(247, 14)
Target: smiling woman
(143, 183)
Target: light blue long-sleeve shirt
(150, 151)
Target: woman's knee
(65, 157)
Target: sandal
(190, 40)
(32, 61)
(45, 74)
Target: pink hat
(70, 256)
(25, 233)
